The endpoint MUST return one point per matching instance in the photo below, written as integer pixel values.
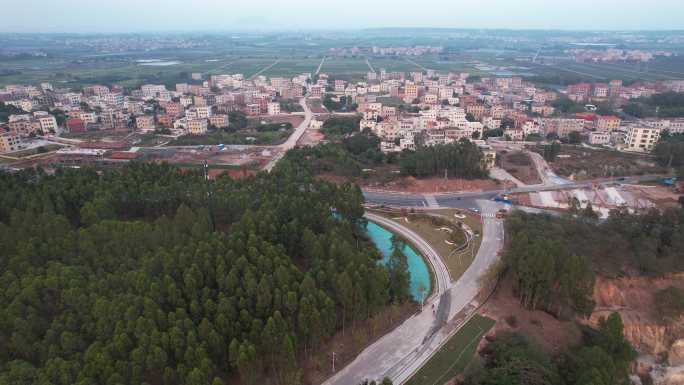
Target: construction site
(602, 198)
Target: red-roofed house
(75, 125)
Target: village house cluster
(189, 109)
(430, 108)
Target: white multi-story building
(642, 138)
(673, 126)
(599, 137)
(561, 127)
(48, 124)
(273, 108)
(151, 91)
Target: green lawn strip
(455, 355)
(233, 138)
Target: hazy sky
(190, 15)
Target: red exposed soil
(546, 331)
(432, 185)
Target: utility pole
(333, 362)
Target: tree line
(602, 358)
(669, 152)
(459, 160)
(553, 260)
(663, 105)
(151, 274)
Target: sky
(107, 16)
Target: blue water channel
(420, 273)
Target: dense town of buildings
(430, 108)
(403, 109)
(190, 109)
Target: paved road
(268, 67)
(467, 200)
(291, 142)
(318, 70)
(400, 353)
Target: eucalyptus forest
(153, 274)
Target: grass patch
(457, 262)
(35, 151)
(455, 355)
(230, 138)
(584, 163)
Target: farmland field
(289, 67)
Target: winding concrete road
(400, 353)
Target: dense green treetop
(152, 274)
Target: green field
(233, 138)
(455, 355)
(345, 66)
(289, 67)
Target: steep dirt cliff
(660, 342)
(634, 299)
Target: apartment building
(673, 126)
(48, 124)
(599, 137)
(10, 141)
(607, 123)
(601, 90)
(151, 91)
(219, 120)
(145, 123)
(410, 92)
(316, 91)
(88, 117)
(642, 139)
(273, 108)
(561, 126)
(197, 126)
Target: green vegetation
(338, 127)
(567, 106)
(603, 358)
(455, 355)
(343, 105)
(241, 131)
(669, 151)
(548, 274)
(228, 138)
(459, 160)
(150, 274)
(351, 151)
(551, 151)
(290, 106)
(7, 109)
(348, 157)
(665, 105)
(237, 121)
(553, 259)
(670, 302)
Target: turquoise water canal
(420, 273)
